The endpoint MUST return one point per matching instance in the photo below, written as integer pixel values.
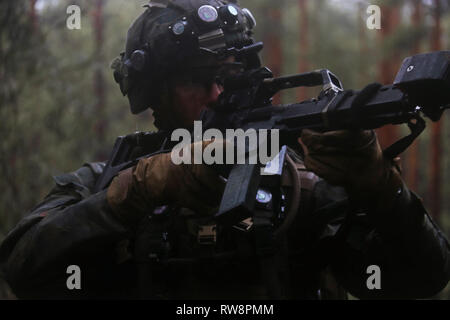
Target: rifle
(421, 88)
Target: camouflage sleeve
(70, 227)
(411, 252)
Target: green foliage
(48, 105)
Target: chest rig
(175, 246)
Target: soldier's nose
(216, 90)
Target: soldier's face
(190, 99)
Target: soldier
(149, 234)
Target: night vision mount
(171, 36)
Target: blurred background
(60, 107)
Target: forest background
(60, 107)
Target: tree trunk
(99, 81)
(363, 49)
(303, 65)
(33, 13)
(390, 19)
(412, 158)
(436, 129)
(273, 45)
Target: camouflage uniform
(322, 253)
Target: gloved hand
(158, 181)
(352, 159)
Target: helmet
(173, 36)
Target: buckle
(244, 225)
(207, 234)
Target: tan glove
(354, 160)
(158, 181)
